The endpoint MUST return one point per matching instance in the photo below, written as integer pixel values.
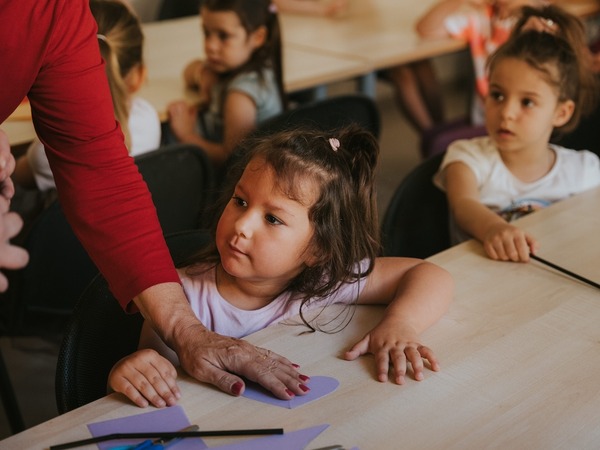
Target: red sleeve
(100, 188)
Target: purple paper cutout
(319, 387)
(165, 419)
(293, 440)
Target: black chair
(327, 114)
(100, 333)
(182, 180)
(416, 222)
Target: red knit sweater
(49, 52)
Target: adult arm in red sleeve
(50, 53)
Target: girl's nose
(244, 225)
(509, 109)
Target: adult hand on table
(211, 357)
(218, 360)
(11, 257)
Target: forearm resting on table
(474, 218)
(422, 298)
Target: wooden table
(518, 349)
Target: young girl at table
(298, 233)
(121, 40)
(539, 83)
(240, 82)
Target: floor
(32, 361)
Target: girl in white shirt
(539, 84)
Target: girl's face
(522, 108)
(263, 236)
(226, 43)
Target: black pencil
(565, 271)
(167, 435)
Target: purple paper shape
(294, 440)
(319, 387)
(172, 418)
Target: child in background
(241, 81)
(298, 232)
(121, 41)
(538, 84)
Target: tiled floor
(32, 361)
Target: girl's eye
(273, 220)
(528, 103)
(223, 36)
(239, 202)
(496, 96)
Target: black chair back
(100, 333)
(416, 222)
(328, 114)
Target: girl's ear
(259, 37)
(136, 77)
(563, 113)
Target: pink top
(220, 316)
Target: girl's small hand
(145, 376)
(182, 119)
(396, 346)
(192, 74)
(506, 242)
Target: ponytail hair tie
(335, 144)
(272, 8)
(102, 37)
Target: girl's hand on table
(145, 377)
(506, 242)
(394, 345)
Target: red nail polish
(304, 377)
(237, 387)
(304, 388)
(295, 365)
(290, 393)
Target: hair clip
(273, 8)
(335, 144)
(102, 37)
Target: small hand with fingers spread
(394, 345)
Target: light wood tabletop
(518, 350)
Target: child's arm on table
(418, 293)
(145, 376)
(501, 240)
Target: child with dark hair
(298, 233)
(539, 84)
(240, 82)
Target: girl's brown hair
(121, 40)
(344, 215)
(563, 50)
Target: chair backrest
(328, 114)
(416, 222)
(181, 179)
(100, 333)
